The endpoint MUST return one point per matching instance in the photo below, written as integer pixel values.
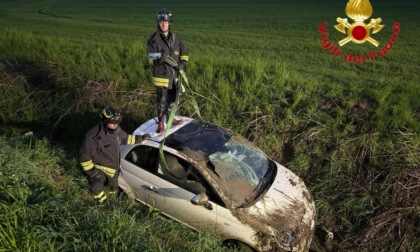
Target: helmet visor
(163, 17)
(115, 119)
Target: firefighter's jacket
(165, 75)
(100, 149)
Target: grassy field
(350, 130)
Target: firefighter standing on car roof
(165, 77)
(99, 152)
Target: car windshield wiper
(264, 182)
(260, 188)
(257, 192)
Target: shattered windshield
(241, 170)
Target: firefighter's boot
(161, 126)
(100, 198)
(175, 121)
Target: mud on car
(211, 178)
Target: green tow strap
(180, 89)
(168, 126)
(193, 100)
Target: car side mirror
(202, 200)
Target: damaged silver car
(210, 178)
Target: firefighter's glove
(161, 60)
(142, 137)
(94, 173)
(145, 136)
(181, 66)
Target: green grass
(45, 207)
(351, 131)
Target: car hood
(286, 213)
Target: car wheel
(238, 245)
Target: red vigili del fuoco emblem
(359, 32)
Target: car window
(183, 174)
(241, 170)
(144, 157)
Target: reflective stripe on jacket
(163, 74)
(100, 149)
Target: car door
(138, 169)
(147, 176)
(184, 182)
(176, 191)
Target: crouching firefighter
(99, 152)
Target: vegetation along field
(349, 130)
